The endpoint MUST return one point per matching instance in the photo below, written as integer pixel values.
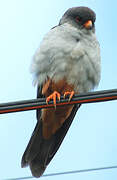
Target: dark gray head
(83, 17)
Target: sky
(91, 140)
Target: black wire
(98, 96)
(103, 92)
(67, 172)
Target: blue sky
(91, 140)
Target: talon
(55, 95)
(69, 93)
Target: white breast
(67, 52)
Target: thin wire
(67, 172)
(91, 97)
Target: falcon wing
(40, 151)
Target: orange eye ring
(77, 19)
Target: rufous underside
(53, 118)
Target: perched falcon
(67, 62)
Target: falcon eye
(77, 19)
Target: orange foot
(70, 94)
(55, 95)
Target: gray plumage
(68, 51)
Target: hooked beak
(88, 24)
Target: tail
(40, 151)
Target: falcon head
(80, 17)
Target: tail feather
(37, 168)
(33, 145)
(40, 151)
(36, 152)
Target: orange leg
(69, 93)
(55, 95)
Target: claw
(69, 93)
(55, 95)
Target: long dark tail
(40, 151)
